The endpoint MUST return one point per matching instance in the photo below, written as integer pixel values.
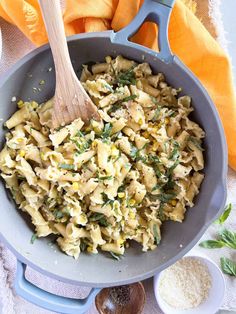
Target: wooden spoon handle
(56, 33)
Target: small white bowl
(214, 300)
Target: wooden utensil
(128, 299)
(70, 101)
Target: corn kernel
(108, 59)
(42, 156)
(155, 129)
(167, 120)
(155, 146)
(22, 153)
(75, 186)
(20, 140)
(121, 194)
(90, 249)
(34, 104)
(114, 151)
(173, 202)
(132, 202)
(132, 215)
(140, 121)
(120, 241)
(20, 104)
(146, 134)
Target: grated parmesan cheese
(185, 284)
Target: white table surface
(228, 10)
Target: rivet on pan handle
(47, 300)
(157, 11)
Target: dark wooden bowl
(128, 299)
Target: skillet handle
(157, 11)
(47, 300)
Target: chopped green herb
(58, 214)
(166, 197)
(228, 266)
(106, 200)
(66, 166)
(175, 153)
(100, 218)
(225, 215)
(171, 169)
(83, 246)
(104, 178)
(156, 235)
(115, 256)
(106, 131)
(196, 142)
(156, 114)
(121, 188)
(33, 238)
(126, 78)
(119, 103)
(80, 133)
(82, 144)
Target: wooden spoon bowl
(129, 299)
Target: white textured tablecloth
(15, 45)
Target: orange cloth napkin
(189, 40)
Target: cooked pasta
(98, 186)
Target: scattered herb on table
(225, 214)
(33, 238)
(228, 266)
(226, 238)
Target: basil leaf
(225, 215)
(228, 266)
(156, 235)
(115, 256)
(229, 238)
(66, 166)
(33, 238)
(166, 197)
(212, 244)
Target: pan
(99, 271)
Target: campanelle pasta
(101, 185)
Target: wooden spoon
(128, 299)
(70, 101)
